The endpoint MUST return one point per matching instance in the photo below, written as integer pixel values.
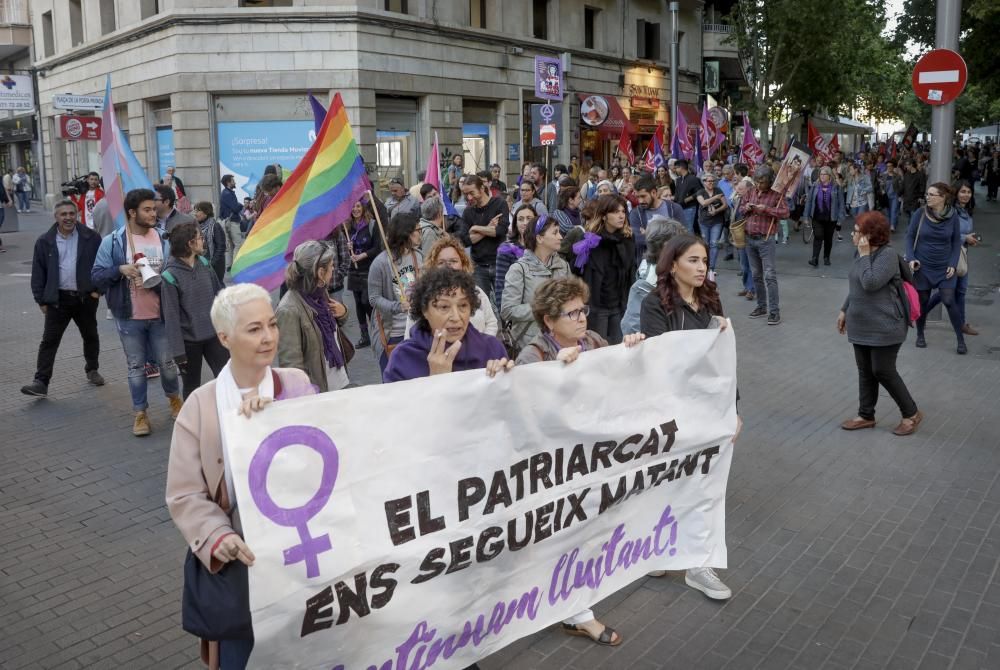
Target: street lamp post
(949, 14)
(675, 59)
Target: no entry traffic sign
(940, 76)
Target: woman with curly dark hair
(442, 340)
(684, 299)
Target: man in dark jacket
(686, 188)
(61, 285)
(914, 185)
(229, 218)
(167, 215)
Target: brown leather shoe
(857, 423)
(969, 330)
(909, 426)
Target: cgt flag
(122, 172)
(625, 146)
(820, 146)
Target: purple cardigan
(409, 358)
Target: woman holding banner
(684, 299)
(199, 493)
(448, 252)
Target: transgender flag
(433, 177)
(122, 172)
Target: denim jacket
(836, 203)
(110, 281)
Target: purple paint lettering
(311, 547)
(571, 574)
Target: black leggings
(822, 237)
(947, 296)
(877, 365)
(212, 352)
(364, 309)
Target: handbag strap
(381, 331)
(919, 226)
(276, 379)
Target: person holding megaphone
(127, 270)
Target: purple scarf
(573, 214)
(510, 248)
(825, 193)
(317, 300)
(582, 343)
(361, 226)
(583, 248)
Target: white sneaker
(706, 581)
(711, 276)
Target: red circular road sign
(940, 76)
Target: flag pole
(388, 251)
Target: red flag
(819, 145)
(625, 146)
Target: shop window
(398, 6)
(540, 19)
(148, 8)
(121, 117)
(76, 22)
(647, 40)
(477, 13)
(48, 35)
(590, 18)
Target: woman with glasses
(711, 217)
(933, 248)
(964, 209)
(875, 321)
(529, 197)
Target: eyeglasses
(575, 314)
(932, 195)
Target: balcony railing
(716, 28)
(14, 12)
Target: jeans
(745, 273)
(760, 252)
(82, 310)
(858, 210)
(234, 654)
(234, 240)
(23, 203)
(823, 238)
(877, 365)
(689, 215)
(146, 340)
(713, 235)
(893, 211)
(212, 352)
(607, 323)
(961, 288)
(485, 276)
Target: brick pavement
(847, 550)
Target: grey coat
(876, 316)
(522, 280)
(301, 342)
(382, 296)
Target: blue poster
(164, 150)
(246, 148)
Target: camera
(74, 186)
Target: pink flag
(122, 172)
(750, 152)
(433, 177)
(683, 137)
(707, 132)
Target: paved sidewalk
(847, 550)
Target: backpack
(171, 279)
(907, 292)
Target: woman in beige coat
(310, 321)
(199, 493)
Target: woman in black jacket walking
(605, 259)
(365, 246)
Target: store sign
(644, 103)
(16, 93)
(73, 128)
(546, 125)
(548, 78)
(18, 130)
(246, 148)
(70, 101)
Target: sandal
(609, 636)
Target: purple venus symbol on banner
(298, 518)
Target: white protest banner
(430, 523)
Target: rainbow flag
(122, 172)
(316, 198)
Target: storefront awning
(603, 114)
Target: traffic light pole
(949, 15)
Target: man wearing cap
(400, 199)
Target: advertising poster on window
(246, 148)
(165, 149)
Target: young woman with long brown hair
(684, 298)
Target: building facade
(19, 145)
(216, 86)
